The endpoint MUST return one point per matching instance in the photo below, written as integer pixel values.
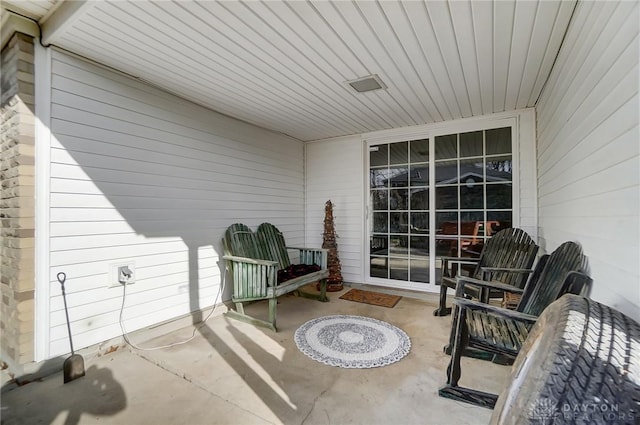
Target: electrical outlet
(122, 273)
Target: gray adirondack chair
(502, 331)
(253, 260)
(507, 258)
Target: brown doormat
(373, 298)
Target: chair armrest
(489, 284)
(460, 260)
(472, 252)
(495, 310)
(578, 283)
(506, 269)
(249, 260)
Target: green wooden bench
(507, 257)
(502, 331)
(253, 260)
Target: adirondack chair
(502, 331)
(513, 291)
(507, 258)
(254, 261)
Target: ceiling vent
(368, 83)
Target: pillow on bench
(296, 270)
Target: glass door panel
(472, 192)
(399, 205)
(473, 188)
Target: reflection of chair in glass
(477, 230)
(472, 234)
(506, 258)
(447, 247)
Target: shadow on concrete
(96, 394)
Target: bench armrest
(317, 256)
(495, 310)
(307, 249)
(250, 260)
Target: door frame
(512, 119)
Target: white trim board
(42, 66)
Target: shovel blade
(73, 368)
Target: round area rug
(352, 341)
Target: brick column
(17, 202)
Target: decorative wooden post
(334, 282)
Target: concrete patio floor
(234, 373)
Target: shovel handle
(62, 277)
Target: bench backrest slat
(240, 241)
(272, 246)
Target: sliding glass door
(469, 178)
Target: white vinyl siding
(588, 151)
(334, 172)
(335, 169)
(139, 175)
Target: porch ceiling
(283, 65)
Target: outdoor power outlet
(119, 274)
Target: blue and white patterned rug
(352, 341)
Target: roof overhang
(12, 23)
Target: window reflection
(399, 199)
(399, 222)
(380, 199)
(471, 144)
(446, 146)
(419, 222)
(499, 196)
(499, 169)
(419, 176)
(378, 155)
(498, 140)
(379, 244)
(420, 199)
(398, 153)
(380, 222)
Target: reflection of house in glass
(465, 192)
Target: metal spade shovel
(73, 366)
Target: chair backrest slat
(551, 283)
(533, 280)
(512, 248)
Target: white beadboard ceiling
(283, 65)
